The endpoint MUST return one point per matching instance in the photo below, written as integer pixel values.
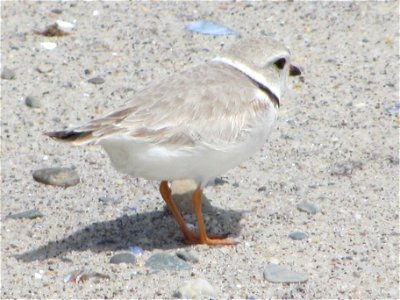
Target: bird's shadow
(151, 230)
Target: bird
(195, 124)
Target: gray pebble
(7, 74)
(126, 258)
(196, 289)
(298, 235)
(308, 207)
(64, 177)
(262, 189)
(280, 274)
(220, 181)
(44, 68)
(187, 256)
(109, 200)
(32, 102)
(166, 262)
(96, 80)
(345, 168)
(28, 214)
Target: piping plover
(196, 124)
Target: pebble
(123, 258)
(28, 214)
(262, 189)
(298, 235)
(308, 207)
(7, 74)
(187, 256)
(166, 262)
(109, 200)
(33, 102)
(196, 289)
(281, 274)
(346, 168)
(96, 80)
(208, 28)
(64, 177)
(220, 181)
(44, 68)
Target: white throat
(256, 76)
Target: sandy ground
(334, 146)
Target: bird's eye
(280, 63)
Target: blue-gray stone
(28, 214)
(120, 258)
(308, 207)
(166, 262)
(280, 274)
(298, 235)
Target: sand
(335, 146)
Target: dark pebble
(123, 258)
(187, 256)
(345, 168)
(96, 80)
(298, 235)
(28, 214)
(7, 74)
(64, 177)
(220, 181)
(262, 189)
(32, 102)
(166, 262)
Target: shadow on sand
(153, 230)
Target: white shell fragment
(48, 45)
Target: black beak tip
(294, 71)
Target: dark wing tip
(69, 135)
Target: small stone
(220, 181)
(57, 11)
(166, 262)
(32, 102)
(308, 207)
(280, 274)
(96, 80)
(262, 189)
(64, 177)
(44, 68)
(298, 235)
(123, 258)
(7, 74)
(345, 168)
(109, 200)
(187, 256)
(28, 214)
(196, 289)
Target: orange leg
(166, 194)
(203, 238)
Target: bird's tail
(71, 136)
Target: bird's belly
(200, 162)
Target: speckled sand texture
(335, 146)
